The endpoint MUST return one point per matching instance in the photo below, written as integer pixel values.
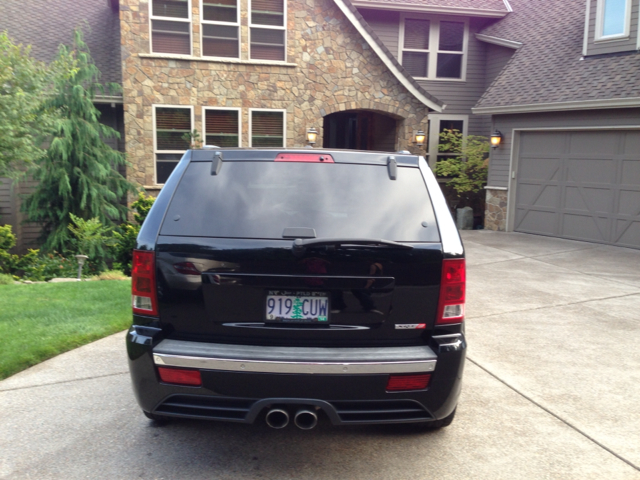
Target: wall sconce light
(312, 135)
(420, 137)
(496, 139)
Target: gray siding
(497, 59)
(613, 46)
(386, 24)
(500, 157)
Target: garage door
(582, 185)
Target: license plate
(297, 307)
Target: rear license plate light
(180, 376)
(403, 383)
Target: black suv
(285, 284)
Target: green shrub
(126, 234)
(43, 267)
(6, 279)
(7, 241)
(467, 172)
(93, 239)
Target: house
(559, 81)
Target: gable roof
(387, 57)
(486, 8)
(548, 72)
(45, 24)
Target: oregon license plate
(297, 307)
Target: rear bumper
(348, 384)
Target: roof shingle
(549, 68)
(45, 24)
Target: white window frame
(284, 123)
(600, 37)
(204, 122)
(434, 134)
(171, 19)
(212, 22)
(271, 27)
(434, 45)
(155, 137)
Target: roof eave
(413, 89)
(503, 42)
(411, 7)
(632, 102)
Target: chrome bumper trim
(264, 366)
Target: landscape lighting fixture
(312, 135)
(496, 139)
(420, 137)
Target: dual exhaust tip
(304, 418)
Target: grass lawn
(42, 320)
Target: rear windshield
(262, 199)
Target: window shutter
(171, 125)
(267, 44)
(267, 129)
(220, 41)
(171, 8)
(170, 37)
(416, 34)
(221, 128)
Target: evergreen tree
(78, 175)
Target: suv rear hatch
(304, 249)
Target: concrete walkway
(551, 391)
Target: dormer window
(434, 49)
(613, 19)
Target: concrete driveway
(551, 391)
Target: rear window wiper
(300, 245)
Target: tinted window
(261, 199)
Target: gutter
(633, 102)
(412, 7)
(503, 42)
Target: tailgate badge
(410, 326)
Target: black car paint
(447, 341)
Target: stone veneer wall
(495, 214)
(329, 68)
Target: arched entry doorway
(360, 130)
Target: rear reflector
(399, 383)
(143, 283)
(304, 157)
(452, 292)
(180, 376)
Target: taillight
(399, 383)
(143, 283)
(452, 292)
(180, 376)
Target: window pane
(170, 37)
(454, 125)
(416, 34)
(614, 17)
(267, 129)
(171, 8)
(267, 44)
(415, 63)
(267, 12)
(451, 36)
(165, 164)
(221, 128)
(449, 65)
(171, 125)
(220, 10)
(220, 41)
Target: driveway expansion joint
(555, 415)
(62, 382)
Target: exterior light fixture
(81, 259)
(420, 137)
(312, 135)
(496, 139)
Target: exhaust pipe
(277, 418)
(305, 419)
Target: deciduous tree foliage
(78, 175)
(24, 84)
